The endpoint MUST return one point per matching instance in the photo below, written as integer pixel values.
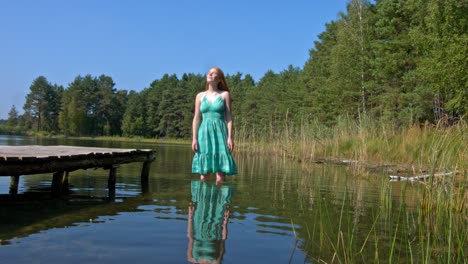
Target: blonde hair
(222, 85)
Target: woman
(212, 129)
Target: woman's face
(212, 76)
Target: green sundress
(213, 154)
(208, 218)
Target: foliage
(12, 117)
(402, 62)
(42, 105)
(92, 106)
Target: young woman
(212, 129)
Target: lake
(274, 211)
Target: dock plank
(35, 159)
(47, 151)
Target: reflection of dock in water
(16, 161)
(30, 213)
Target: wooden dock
(16, 161)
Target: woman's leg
(220, 177)
(205, 177)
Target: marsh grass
(431, 229)
(427, 228)
(417, 149)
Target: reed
(427, 228)
(404, 222)
(432, 230)
(417, 149)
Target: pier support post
(14, 181)
(65, 182)
(112, 179)
(58, 181)
(145, 176)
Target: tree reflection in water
(207, 223)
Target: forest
(400, 62)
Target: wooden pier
(16, 161)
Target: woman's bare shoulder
(226, 96)
(200, 95)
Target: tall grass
(431, 229)
(428, 228)
(419, 148)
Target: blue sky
(136, 42)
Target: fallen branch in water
(416, 178)
(382, 168)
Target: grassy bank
(419, 148)
(137, 140)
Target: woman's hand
(230, 144)
(194, 145)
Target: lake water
(273, 211)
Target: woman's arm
(196, 122)
(228, 118)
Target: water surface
(271, 212)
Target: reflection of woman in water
(207, 223)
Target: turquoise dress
(213, 154)
(211, 204)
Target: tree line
(396, 61)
